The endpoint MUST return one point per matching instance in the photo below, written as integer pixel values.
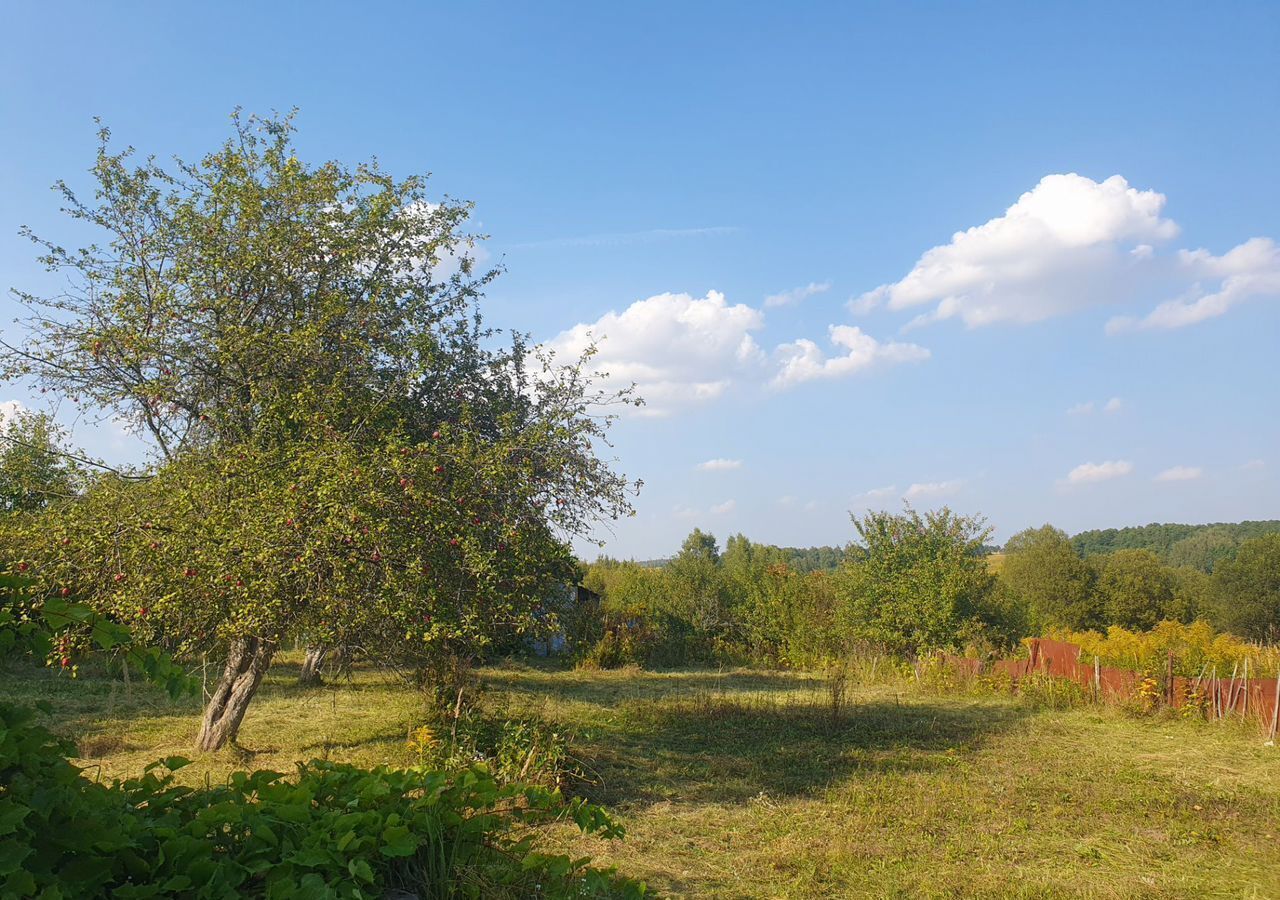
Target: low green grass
(749, 784)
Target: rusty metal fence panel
(1217, 697)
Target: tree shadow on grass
(720, 750)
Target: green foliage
(407, 549)
(1248, 590)
(1196, 649)
(61, 629)
(1193, 594)
(813, 559)
(922, 583)
(698, 596)
(675, 615)
(35, 468)
(1135, 590)
(514, 749)
(342, 448)
(330, 831)
(787, 617)
(1199, 546)
(1043, 570)
(705, 606)
(913, 584)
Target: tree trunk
(311, 663)
(339, 661)
(247, 661)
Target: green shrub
(331, 831)
(521, 750)
(1043, 689)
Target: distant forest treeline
(799, 559)
(1197, 546)
(911, 583)
(1194, 546)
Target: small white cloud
(931, 489)
(681, 511)
(795, 295)
(1114, 405)
(720, 465)
(725, 507)
(1254, 465)
(1088, 473)
(880, 493)
(1180, 473)
(802, 360)
(786, 500)
(1081, 409)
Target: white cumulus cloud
(795, 295)
(677, 349)
(803, 360)
(680, 351)
(1180, 473)
(720, 465)
(1088, 473)
(1114, 405)
(1067, 243)
(725, 507)
(1070, 243)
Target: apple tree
(342, 448)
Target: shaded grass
(118, 730)
(746, 784)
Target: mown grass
(748, 784)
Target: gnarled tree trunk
(247, 661)
(320, 662)
(311, 663)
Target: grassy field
(747, 784)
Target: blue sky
(1094, 351)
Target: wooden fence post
(1217, 713)
(1275, 715)
(1231, 689)
(1244, 713)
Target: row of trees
(343, 451)
(910, 583)
(1042, 570)
(913, 581)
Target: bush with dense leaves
(331, 831)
